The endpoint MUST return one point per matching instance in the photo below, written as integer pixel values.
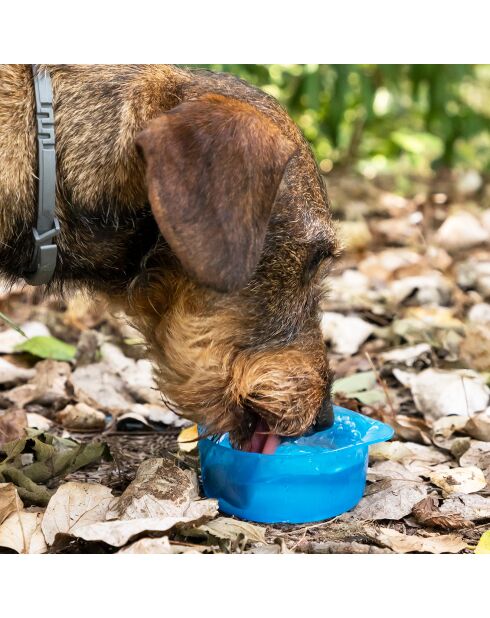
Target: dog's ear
(214, 165)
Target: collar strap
(47, 228)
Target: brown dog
(192, 201)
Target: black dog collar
(45, 251)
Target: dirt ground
(408, 326)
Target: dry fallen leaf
(411, 428)
(347, 334)
(228, 528)
(460, 231)
(477, 454)
(21, 531)
(470, 506)
(407, 355)
(441, 393)
(389, 500)
(483, 546)
(50, 381)
(10, 501)
(427, 513)
(81, 417)
(96, 386)
(392, 470)
(475, 347)
(161, 497)
(406, 452)
(444, 427)
(13, 425)
(478, 426)
(73, 505)
(459, 480)
(161, 546)
(12, 374)
(404, 543)
(187, 439)
(160, 489)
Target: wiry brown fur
(222, 358)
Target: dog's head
(231, 308)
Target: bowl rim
(387, 433)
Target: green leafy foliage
(48, 347)
(384, 116)
(40, 457)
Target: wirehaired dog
(192, 201)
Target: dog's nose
(324, 419)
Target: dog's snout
(324, 419)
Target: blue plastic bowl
(307, 479)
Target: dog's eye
(314, 261)
(316, 258)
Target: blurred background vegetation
(384, 118)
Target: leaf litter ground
(89, 454)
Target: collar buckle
(47, 228)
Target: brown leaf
(427, 513)
(13, 425)
(411, 428)
(9, 501)
(405, 543)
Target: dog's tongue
(263, 441)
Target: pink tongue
(263, 441)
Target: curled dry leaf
(229, 529)
(13, 425)
(411, 428)
(347, 334)
(407, 355)
(38, 421)
(404, 543)
(459, 480)
(81, 417)
(187, 439)
(21, 531)
(51, 383)
(137, 375)
(441, 393)
(99, 388)
(444, 427)
(478, 426)
(10, 501)
(427, 513)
